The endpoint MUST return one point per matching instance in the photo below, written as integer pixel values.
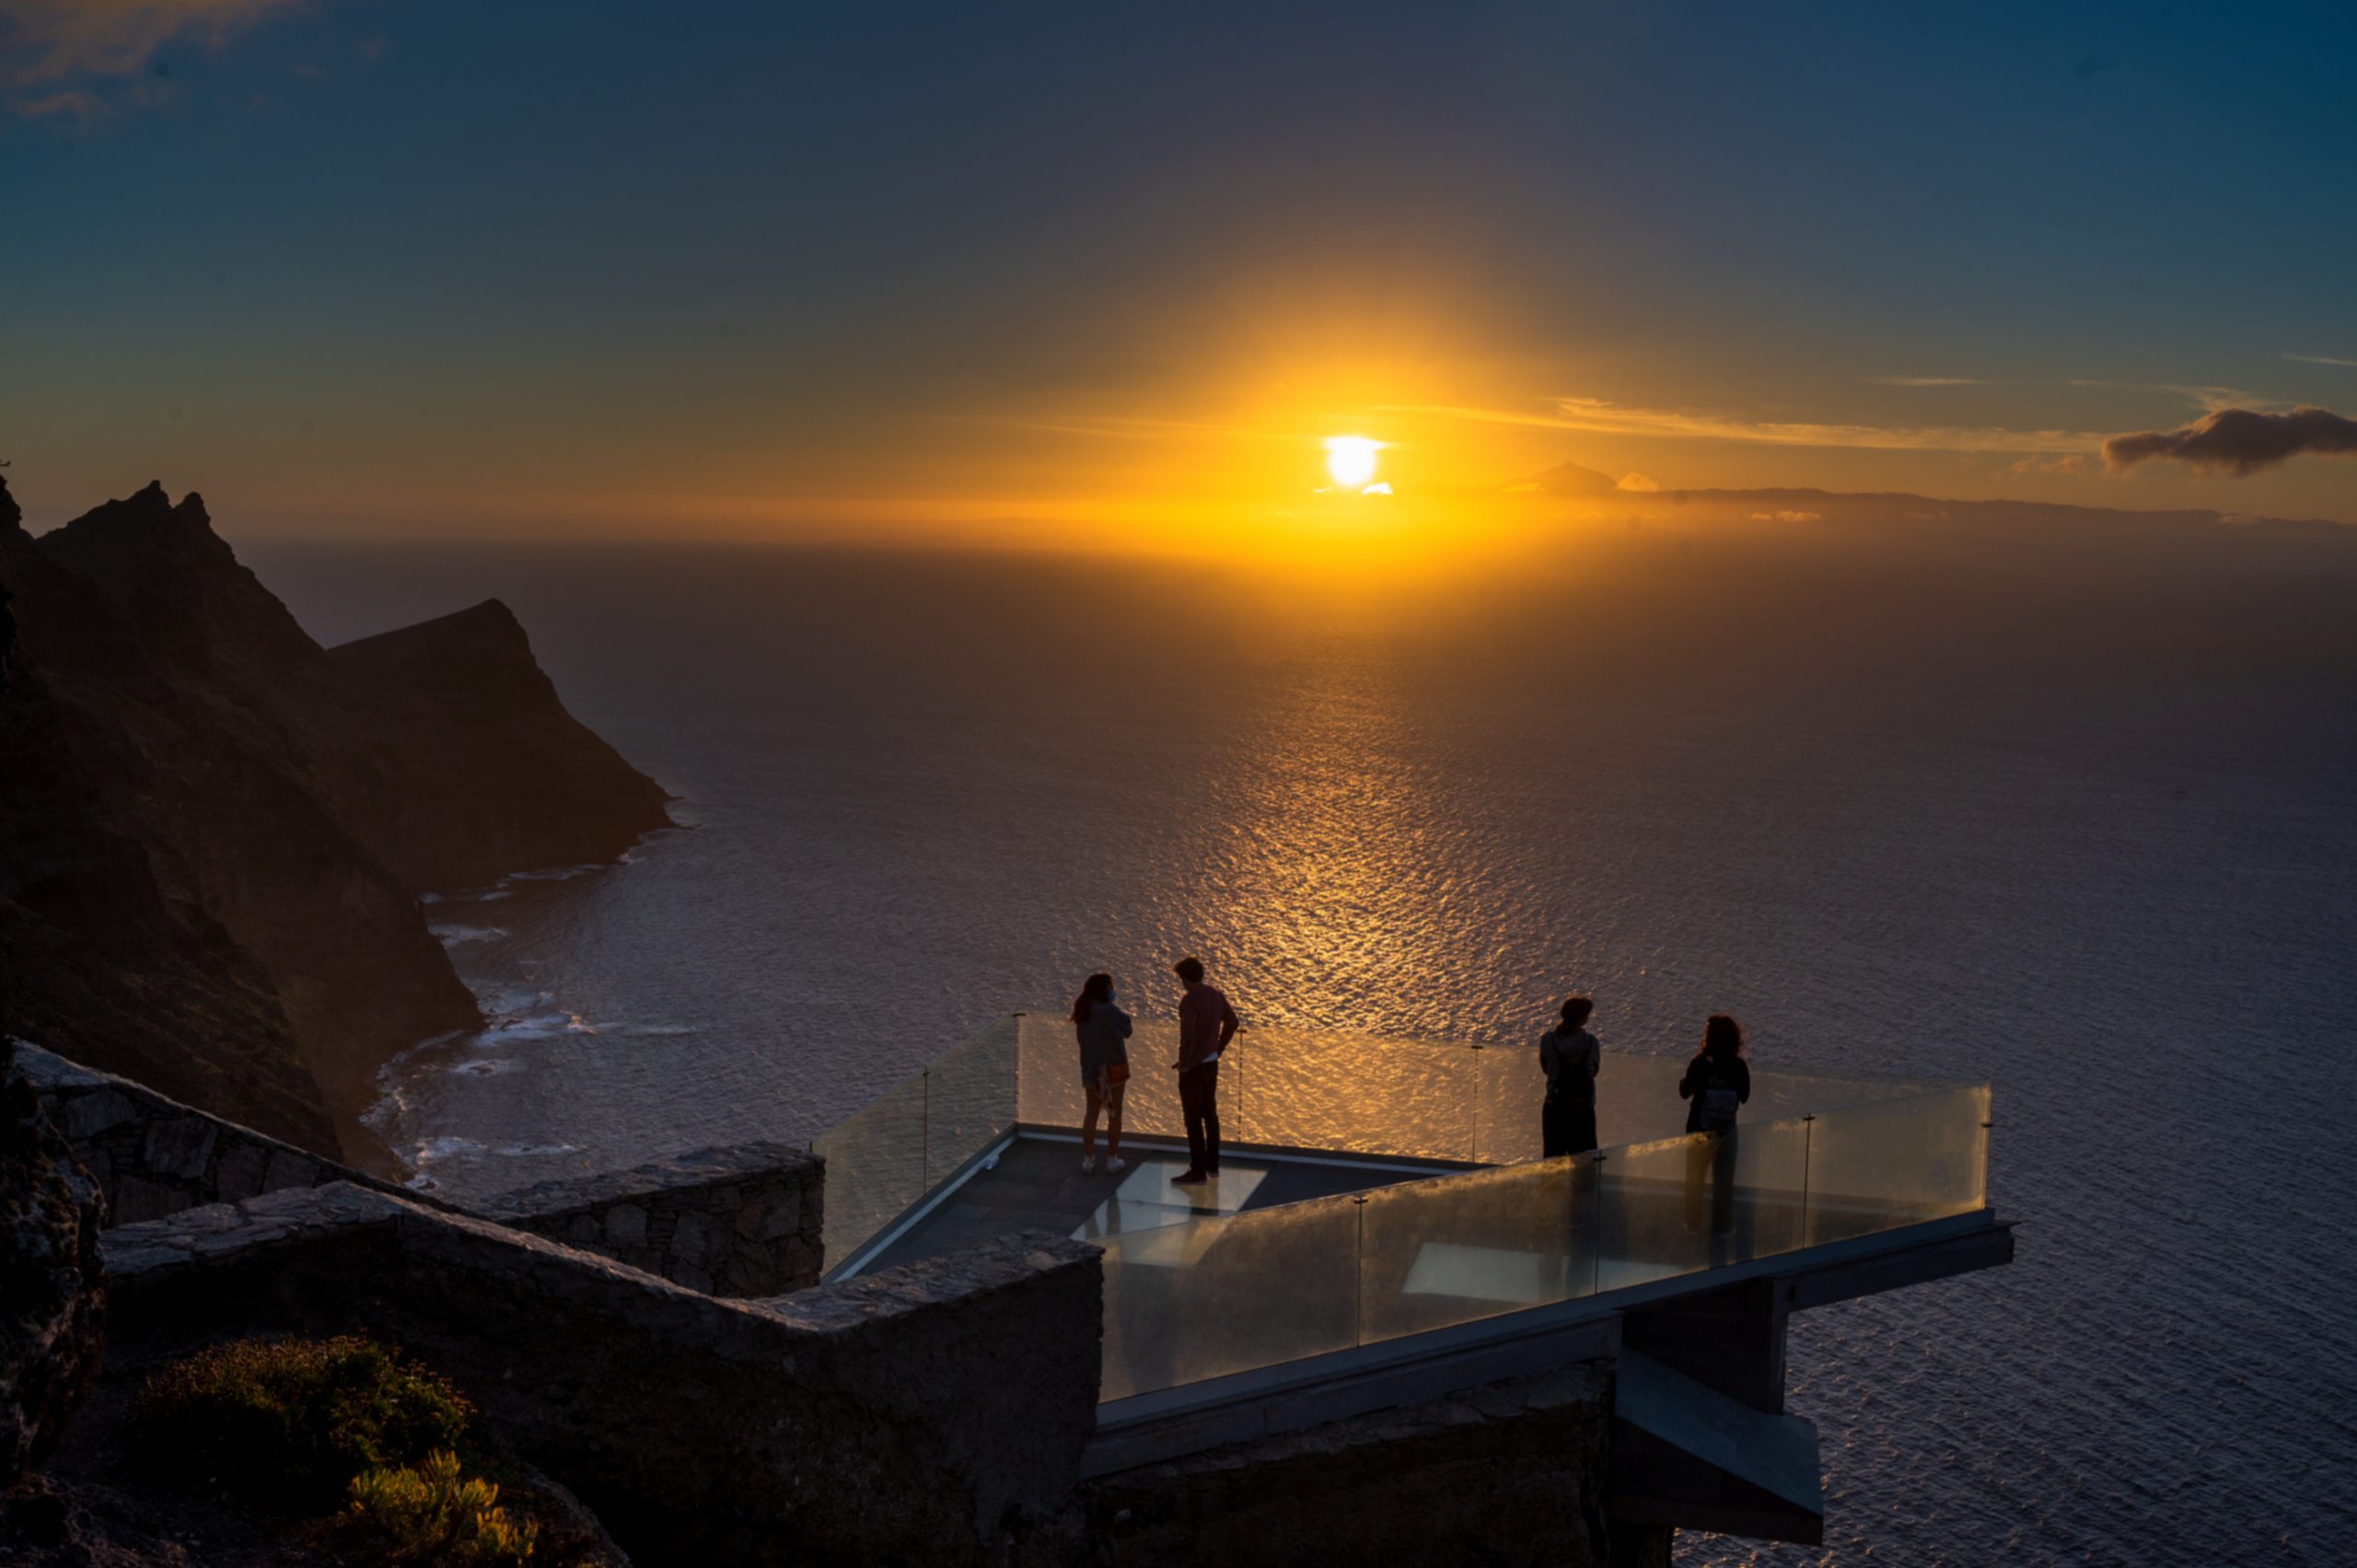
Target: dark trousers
(1198, 1100)
(1566, 1127)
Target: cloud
(1642, 483)
(2240, 441)
(1596, 417)
(2070, 463)
(2209, 399)
(2322, 359)
(82, 106)
(72, 44)
(1925, 381)
(1788, 516)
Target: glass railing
(885, 1157)
(1374, 1095)
(1222, 1296)
(1329, 1090)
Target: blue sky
(527, 267)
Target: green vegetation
(286, 1425)
(431, 1511)
(357, 1451)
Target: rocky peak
(178, 584)
(213, 832)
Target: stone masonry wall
(929, 1414)
(740, 1221)
(155, 1157)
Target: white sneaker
(1089, 1166)
(1115, 1167)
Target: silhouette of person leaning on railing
(1717, 1083)
(1570, 1057)
(1101, 1026)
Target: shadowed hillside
(214, 832)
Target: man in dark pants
(1206, 1023)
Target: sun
(1351, 459)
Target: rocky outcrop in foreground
(214, 832)
(53, 1289)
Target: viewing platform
(1383, 1231)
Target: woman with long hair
(1717, 1083)
(1101, 1026)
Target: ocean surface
(2080, 818)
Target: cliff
(214, 832)
(471, 768)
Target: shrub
(430, 1512)
(287, 1425)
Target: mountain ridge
(214, 832)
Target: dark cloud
(2240, 440)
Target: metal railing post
(1475, 1155)
(1596, 1270)
(1243, 1117)
(1809, 1160)
(1358, 1275)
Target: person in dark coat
(1717, 1083)
(1570, 1057)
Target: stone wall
(934, 1414)
(53, 1291)
(738, 1222)
(1509, 1475)
(153, 1155)
(742, 1221)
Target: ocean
(2077, 816)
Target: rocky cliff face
(469, 767)
(213, 831)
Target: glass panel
(875, 1167)
(1876, 1168)
(1458, 1248)
(1049, 1094)
(1187, 1302)
(1313, 1089)
(1780, 1096)
(969, 1100)
(1654, 1203)
(1636, 1099)
(1769, 1201)
(1702, 1201)
(1512, 1088)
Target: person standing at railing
(1206, 1023)
(1570, 1057)
(1104, 1069)
(1717, 1083)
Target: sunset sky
(1107, 273)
